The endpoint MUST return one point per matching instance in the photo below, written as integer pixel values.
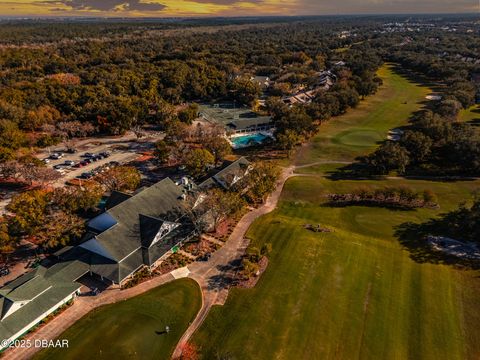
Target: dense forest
(73, 79)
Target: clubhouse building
(135, 231)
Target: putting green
(135, 328)
(358, 138)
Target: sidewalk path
(216, 275)
(213, 276)
(82, 306)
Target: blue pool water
(248, 140)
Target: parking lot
(121, 150)
(88, 166)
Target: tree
(78, 199)
(29, 209)
(175, 131)
(297, 120)
(188, 114)
(198, 161)
(417, 144)
(221, 204)
(59, 229)
(162, 151)
(245, 91)
(31, 172)
(71, 129)
(7, 243)
(449, 108)
(121, 178)
(388, 157)
(11, 136)
(43, 115)
(287, 140)
(6, 154)
(260, 181)
(219, 147)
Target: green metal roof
(35, 293)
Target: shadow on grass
(418, 78)
(360, 171)
(412, 236)
(370, 204)
(227, 276)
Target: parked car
(56, 156)
(71, 151)
(86, 175)
(87, 161)
(105, 154)
(46, 161)
(4, 271)
(59, 166)
(88, 155)
(69, 162)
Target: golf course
(354, 292)
(361, 129)
(135, 328)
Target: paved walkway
(82, 306)
(216, 275)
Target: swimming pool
(248, 140)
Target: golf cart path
(212, 276)
(215, 275)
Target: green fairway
(361, 129)
(353, 293)
(133, 329)
(470, 115)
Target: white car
(69, 162)
(46, 161)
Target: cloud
(385, 6)
(108, 5)
(227, 2)
(230, 7)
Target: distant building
(236, 120)
(247, 126)
(230, 173)
(301, 97)
(262, 81)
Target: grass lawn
(130, 329)
(361, 129)
(470, 115)
(353, 293)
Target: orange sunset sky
(169, 8)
